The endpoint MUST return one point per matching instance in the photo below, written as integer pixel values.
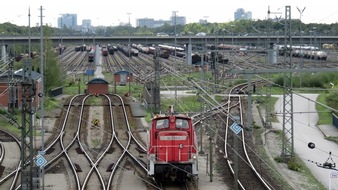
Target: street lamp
(314, 37)
(61, 28)
(310, 32)
(232, 34)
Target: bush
(294, 165)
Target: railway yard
(94, 141)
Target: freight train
(163, 53)
(172, 148)
(308, 52)
(180, 52)
(111, 49)
(151, 50)
(80, 47)
(127, 51)
(91, 55)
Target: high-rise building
(152, 23)
(240, 14)
(145, 22)
(203, 21)
(67, 20)
(249, 15)
(180, 20)
(86, 24)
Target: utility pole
(213, 67)
(28, 92)
(29, 33)
(288, 143)
(201, 137)
(249, 114)
(129, 78)
(129, 51)
(11, 83)
(41, 95)
(155, 90)
(174, 16)
(61, 25)
(210, 153)
(129, 35)
(301, 63)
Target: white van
(201, 34)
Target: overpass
(180, 40)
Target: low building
(97, 86)
(11, 89)
(122, 77)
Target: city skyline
(106, 13)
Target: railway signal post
(28, 172)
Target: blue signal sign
(40, 161)
(236, 128)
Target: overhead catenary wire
(209, 102)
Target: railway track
(96, 153)
(236, 147)
(173, 185)
(10, 149)
(102, 165)
(96, 165)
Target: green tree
(195, 28)
(332, 100)
(52, 71)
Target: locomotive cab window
(182, 124)
(162, 124)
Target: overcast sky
(111, 12)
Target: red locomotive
(104, 51)
(172, 148)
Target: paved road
(305, 131)
(98, 70)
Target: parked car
(201, 34)
(161, 34)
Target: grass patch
(325, 116)
(185, 104)
(50, 104)
(334, 139)
(94, 101)
(11, 123)
(96, 142)
(294, 164)
(264, 103)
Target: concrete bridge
(180, 40)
